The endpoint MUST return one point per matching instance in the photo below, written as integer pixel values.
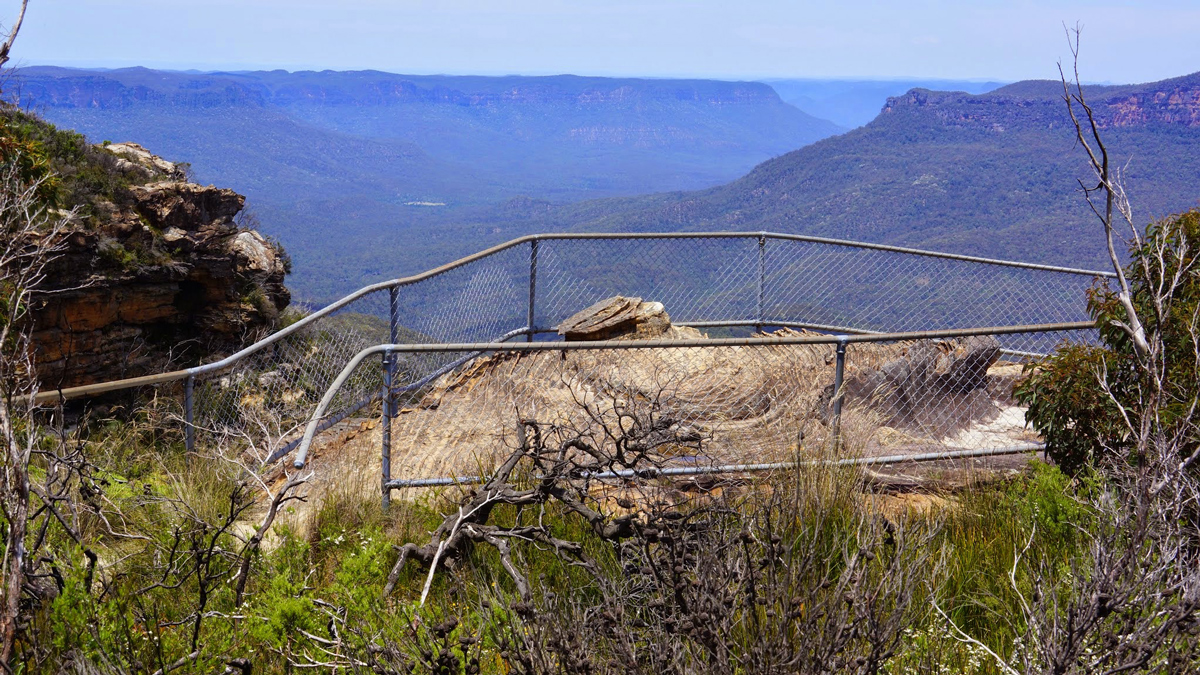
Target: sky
(1003, 40)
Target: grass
(340, 557)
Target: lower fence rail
(723, 406)
(734, 469)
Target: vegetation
(1082, 420)
(675, 596)
(123, 553)
(76, 174)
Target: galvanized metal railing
(654, 349)
(709, 280)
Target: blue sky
(732, 39)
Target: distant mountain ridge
(853, 103)
(1169, 102)
(993, 174)
(388, 162)
(514, 124)
(69, 87)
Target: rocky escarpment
(1174, 102)
(159, 274)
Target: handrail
(815, 240)
(116, 385)
(387, 349)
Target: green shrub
(1071, 393)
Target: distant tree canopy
(1076, 411)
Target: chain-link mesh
(696, 279)
(887, 291)
(715, 280)
(719, 405)
(284, 381)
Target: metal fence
(715, 405)
(728, 285)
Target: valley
(367, 175)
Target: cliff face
(158, 277)
(1174, 102)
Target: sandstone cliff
(155, 272)
(1174, 102)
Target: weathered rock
(186, 206)
(163, 280)
(622, 318)
(934, 385)
(139, 161)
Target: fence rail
(729, 284)
(746, 396)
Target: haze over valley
(389, 160)
(370, 175)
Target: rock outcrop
(938, 386)
(621, 318)
(728, 404)
(158, 276)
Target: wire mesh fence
(704, 407)
(726, 284)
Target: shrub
(1072, 394)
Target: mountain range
(466, 139)
(853, 103)
(996, 174)
(370, 175)
(380, 159)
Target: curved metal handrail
(228, 361)
(322, 408)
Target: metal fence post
(762, 274)
(189, 431)
(386, 430)
(533, 258)
(393, 314)
(389, 396)
(839, 372)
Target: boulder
(936, 386)
(140, 162)
(622, 318)
(186, 206)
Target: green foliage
(137, 612)
(1068, 408)
(76, 174)
(1071, 394)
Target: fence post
(762, 274)
(393, 314)
(385, 423)
(189, 431)
(533, 257)
(389, 397)
(839, 372)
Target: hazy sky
(1003, 39)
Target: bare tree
(744, 578)
(764, 582)
(1131, 603)
(29, 241)
(6, 47)
(560, 462)
(247, 450)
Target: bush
(1071, 394)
